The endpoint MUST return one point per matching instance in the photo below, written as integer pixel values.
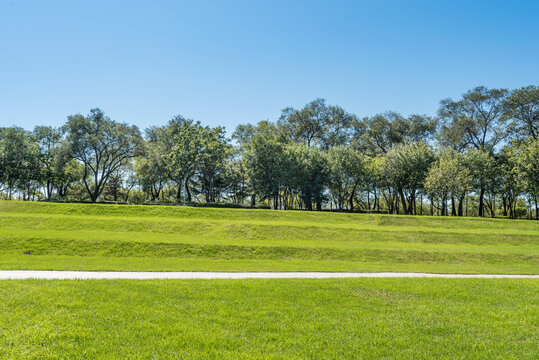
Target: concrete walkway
(148, 275)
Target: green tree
(507, 181)
(186, 153)
(475, 120)
(102, 146)
(50, 146)
(523, 108)
(483, 170)
(265, 158)
(378, 134)
(317, 124)
(405, 167)
(525, 158)
(243, 136)
(447, 179)
(236, 180)
(212, 162)
(19, 165)
(151, 168)
(346, 169)
(305, 171)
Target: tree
(507, 180)
(50, 147)
(476, 119)
(447, 179)
(522, 107)
(185, 154)
(305, 170)
(525, 158)
(68, 172)
(244, 136)
(420, 128)
(102, 146)
(120, 184)
(212, 162)
(373, 181)
(264, 158)
(346, 168)
(482, 166)
(405, 167)
(151, 169)
(19, 166)
(317, 124)
(378, 134)
(236, 180)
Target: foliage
(525, 158)
(476, 156)
(475, 120)
(102, 145)
(405, 168)
(523, 108)
(448, 177)
(346, 171)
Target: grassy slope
(263, 319)
(110, 237)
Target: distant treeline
(479, 156)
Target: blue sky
(232, 62)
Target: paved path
(147, 275)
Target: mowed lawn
(263, 319)
(163, 238)
(270, 319)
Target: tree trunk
(482, 202)
(308, 204)
(253, 200)
(187, 191)
(536, 208)
(179, 192)
(376, 200)
(444, 200)
(403, 199)
(352, 196)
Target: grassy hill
(264, 319)
(124, 237)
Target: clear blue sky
(232, 62)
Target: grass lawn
(265, 319)
(117, 237)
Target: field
(264, 319)
(270, 319)
(115, 237)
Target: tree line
(479, 156)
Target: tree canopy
(477, 157)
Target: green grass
(266, 319)
(115, 237)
